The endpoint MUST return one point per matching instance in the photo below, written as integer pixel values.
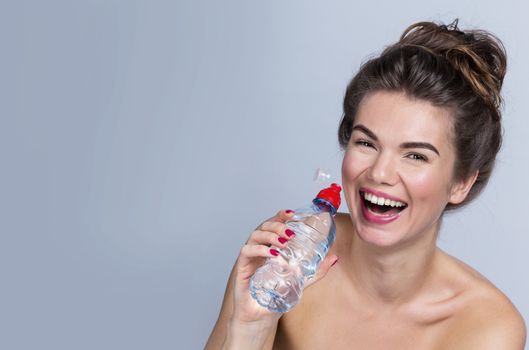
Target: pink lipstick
(379, 217)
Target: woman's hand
(243, 323)
(263, 243)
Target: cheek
(346, 167)
(349, 171)
(428, 186)
(352, 165)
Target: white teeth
(382, 201)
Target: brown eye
(364, 143)
(418, 157)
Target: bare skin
(453, 302)
(242, 323)
(456, 308)
(392, 287)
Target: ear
(460, 190)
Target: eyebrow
(372, 135)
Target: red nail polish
(289, 232)
(282, 240)
(274, 252)
(289, 211)
(335, 261)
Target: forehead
(394, 116)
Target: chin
(379, 238)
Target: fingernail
(282, 240)
(289, 211)
(274, 252)
(335, 261)
(289, 232)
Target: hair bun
(477, 55)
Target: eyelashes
(413, 155)
(364, 143)
(418, 157)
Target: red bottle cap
(331, 194)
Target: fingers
(268, 238)
(278, 228)
(257, 251)
(275, 225)
(283, 215)
(252, 256)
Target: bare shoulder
(343, 219)
(344, 231)
(486, 318)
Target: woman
(420, 131)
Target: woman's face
(399, 156)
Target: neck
(392, 275)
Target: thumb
(325, 266)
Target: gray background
(142, 141)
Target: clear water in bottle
(278, 284)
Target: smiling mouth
(381, 206)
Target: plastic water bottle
(279, 283)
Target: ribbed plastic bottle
(279, 283)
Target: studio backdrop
(143, 141)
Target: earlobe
(460, 190)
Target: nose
(382, 170)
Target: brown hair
(461, 71)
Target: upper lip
(381, 194)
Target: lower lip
(377, 219)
